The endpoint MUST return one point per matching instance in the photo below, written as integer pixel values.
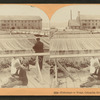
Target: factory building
(84, 22)
(20, 22)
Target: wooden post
(56, 80)
(65, 71)
(38, 67)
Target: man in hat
(38, 48)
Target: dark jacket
(97, 73)
(22, 76)
(38, 47)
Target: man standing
(38, 48)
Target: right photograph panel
(75, 47)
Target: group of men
(18, 73)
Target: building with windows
(20, 22)
(85, 22)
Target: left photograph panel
(24, 47)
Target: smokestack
(79, 18)
(79, 15)
(70, 14)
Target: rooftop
(90, 17)
(20, 18)
(20, 42)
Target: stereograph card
(50, 49)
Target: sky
(24, 10)
(61, 16)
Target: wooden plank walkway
(80, 77)
(33, 80)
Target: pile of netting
(25, 61)
(79, 62)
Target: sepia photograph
(24, 47)
(49, 49)
(52, 50)
(75, 46)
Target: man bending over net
(19, 78)
(93, 79)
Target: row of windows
(25, 21)
(90, 24)
(90, 20)
(20, 27)
(20, 24)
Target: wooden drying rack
(54, 57)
